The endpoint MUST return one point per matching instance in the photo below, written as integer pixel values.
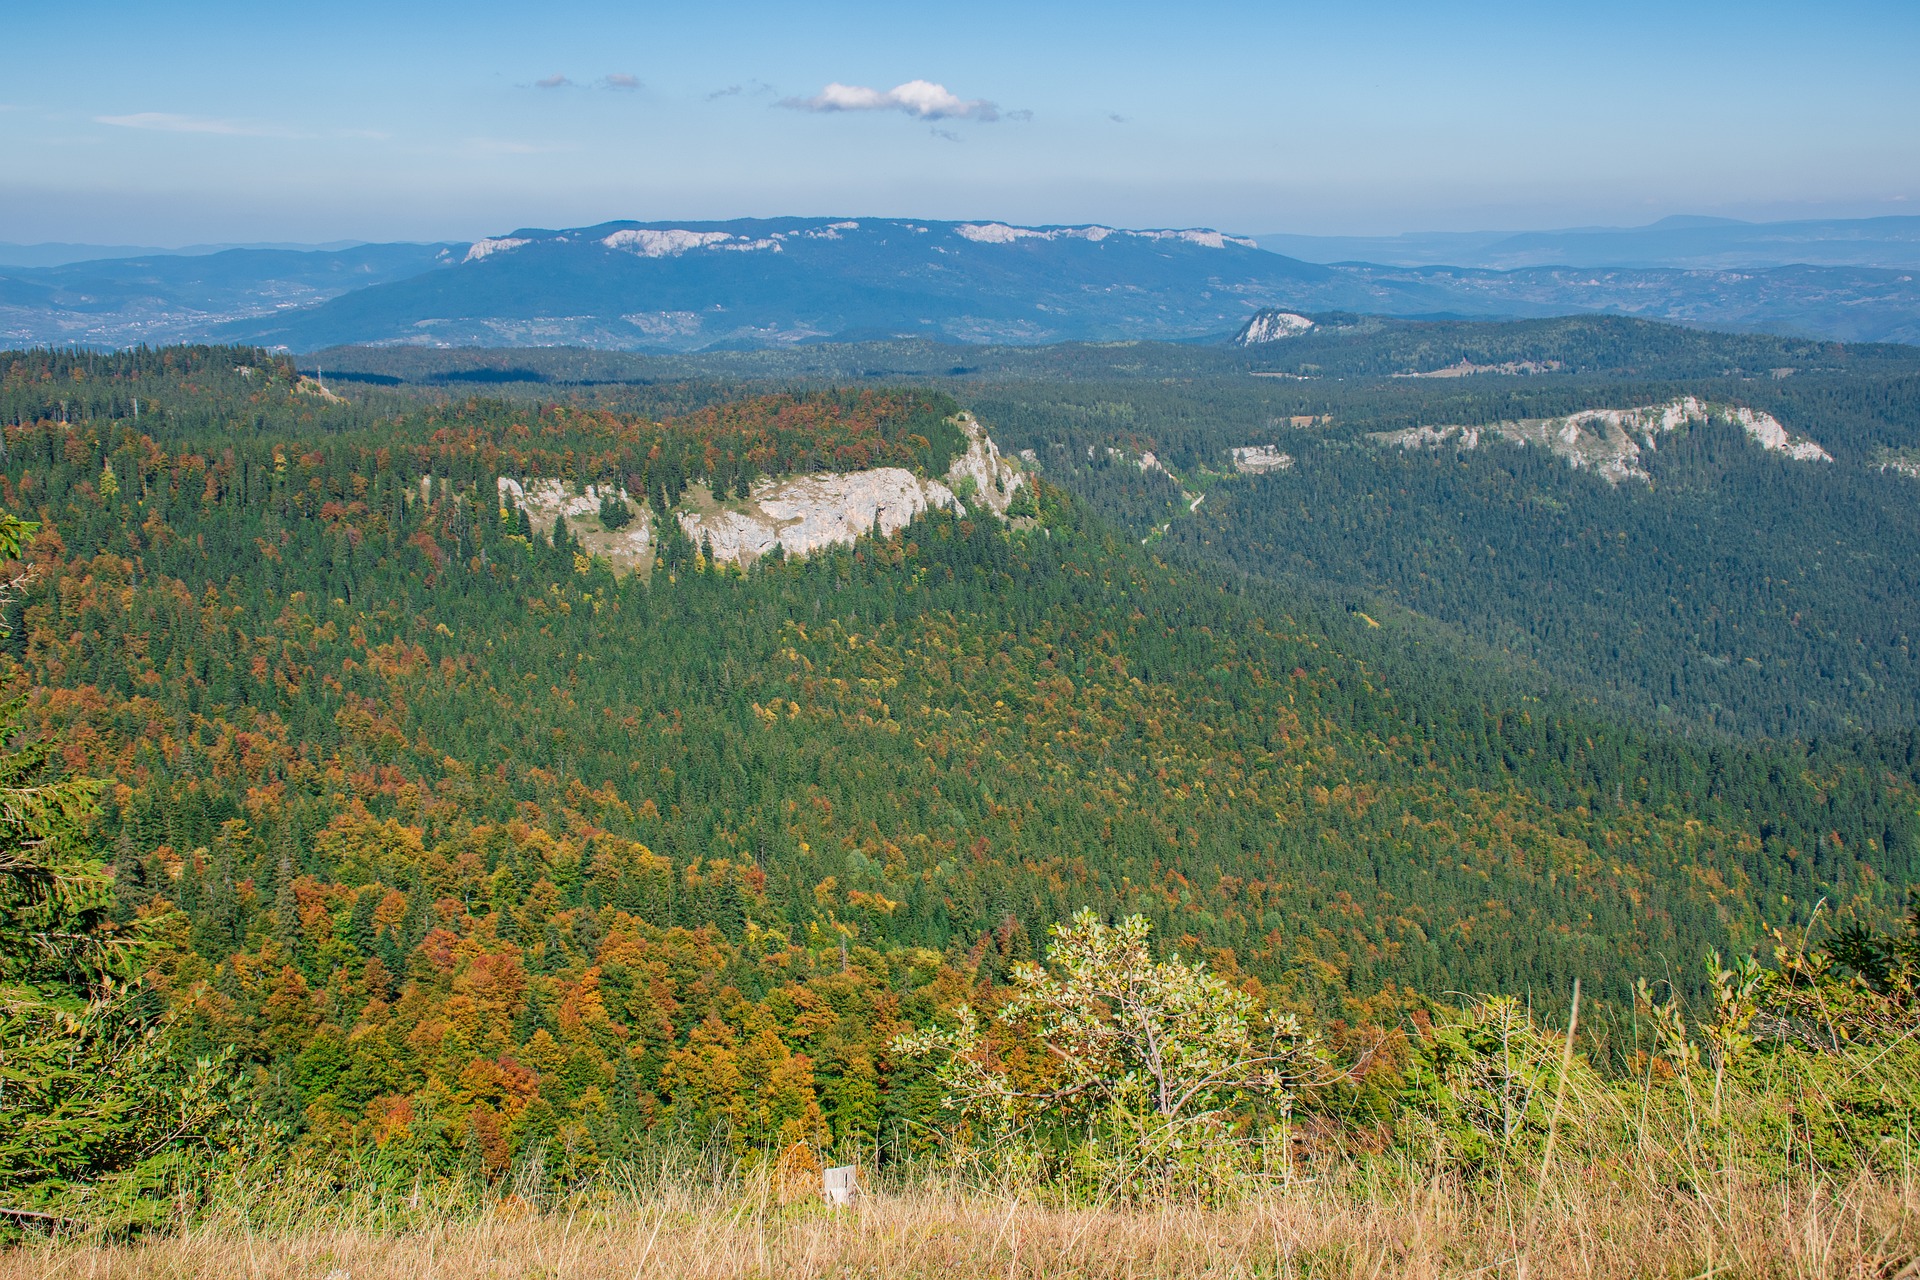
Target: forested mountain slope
(1339, 345)
(777, 281)
(774, 282)
(461, 839)
(1724, 586)
(1706, 577)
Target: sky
(198, 122)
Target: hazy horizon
(385, 123)
(204, 247)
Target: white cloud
(751, 89)
(620, 80)
(920, 98)
(555, 81)
(168, 122)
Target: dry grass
(1585, 1228)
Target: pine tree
(87, 1081)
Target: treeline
(221, 400)
(1353, 346)
(1341, 347)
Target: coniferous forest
(417, 833)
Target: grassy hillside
(687, 1229)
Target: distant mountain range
(174, 297)
(58, 253)
(771, 282)
(1707, 244)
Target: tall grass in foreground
(1377, 1220)
(1771, 1134)
(1515, 1176)
(1522, 1163)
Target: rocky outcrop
(1464, 368)
(1611, 441)
(805, 513)
(802, 514)
(1271, 326)
(1258, 459)
(1905, 462)
(798, 514)
(1765, 430)
(994, 479)
(548, 501)
(1146, 461)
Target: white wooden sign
(840, 1186)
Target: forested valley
(1735, 592)
(449, 843)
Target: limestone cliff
(799, 514)
(546, 501)
(1612, 442)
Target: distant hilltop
(777, 281)
(773, 282)
(1270, 325)
(662, 241)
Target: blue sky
(192, 122)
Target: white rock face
(1467, 368)
(1258, 459)
(648, 243)
(1001, 233)
(1148, 461)
(487, 248)
(997, 233)
(547, 501)
(995, 481)
(1610, 441)
(1767, 432)
(806, 513)
(663, 244)
(1272, 326)
(800, 514)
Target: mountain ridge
(672, 286)
(773, 282)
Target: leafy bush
(1485, 1088)
(1136, 1069)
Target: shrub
(1126, 1071)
